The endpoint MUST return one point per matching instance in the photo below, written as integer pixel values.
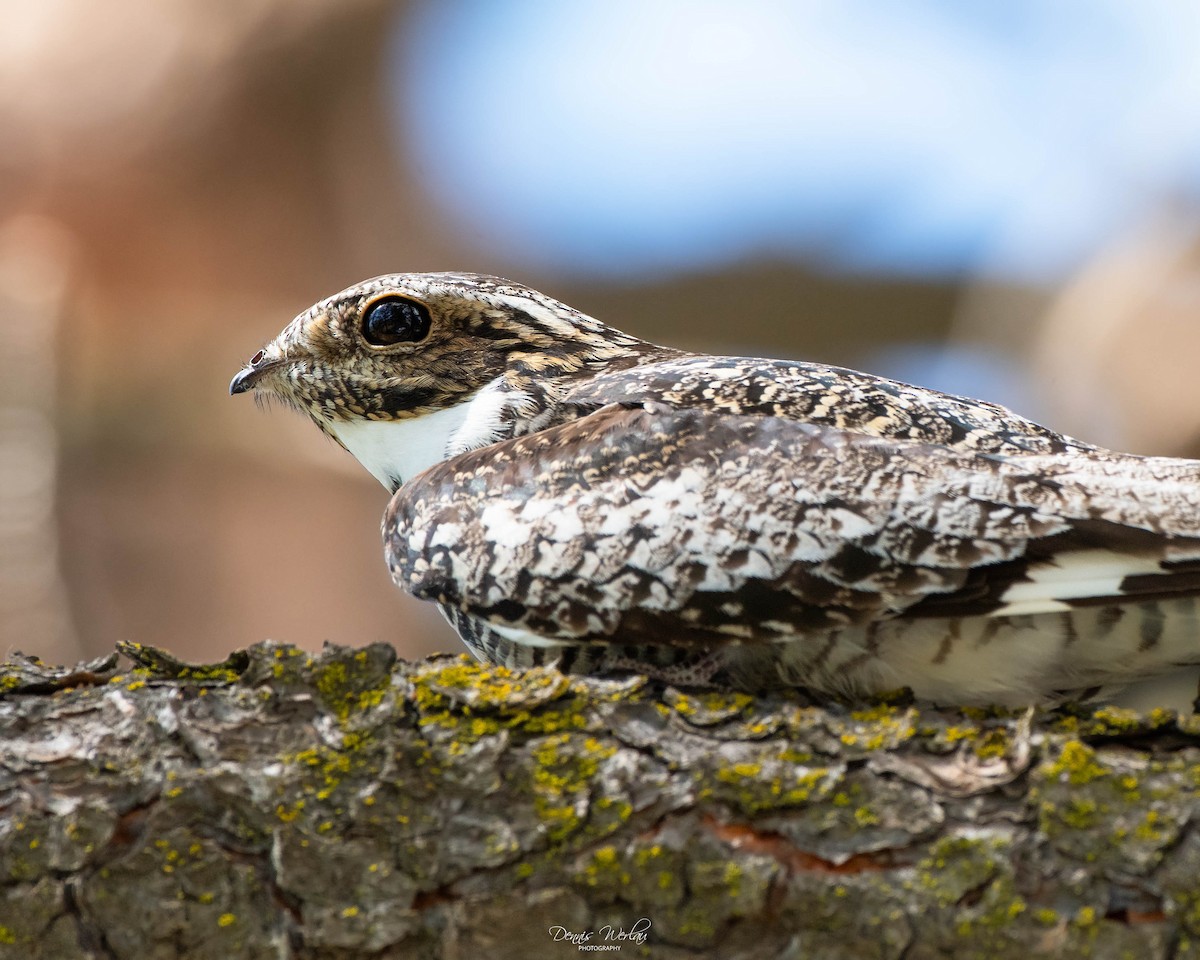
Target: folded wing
(653, 524)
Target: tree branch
(349, 805)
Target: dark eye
(395, 320)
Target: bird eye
(395, 320)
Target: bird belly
(1009, 660)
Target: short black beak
(244, 380)
(252, 372)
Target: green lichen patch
(603, 871)
(992, 922)
(561, 768)
(707, 708)
(1137, 805)
(281, 666)
(24, 674)
(755, 780)
(721, 890)
(970, 884)
(959, 864)
(567, 789)
(861, 816)
(322, 784)
(353, 683)
(691, 886)
(1076, 764)
(732, 887)
(1109, 721)
(463, 701)
(160, 665)
(647, 874)
(484, 689)
(880, 727)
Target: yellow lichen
(564, 765)
(1076, 763)
(865, 817)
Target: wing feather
(667, 525)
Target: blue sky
(933, 137)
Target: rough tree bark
(349, 805)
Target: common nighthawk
(571, 495)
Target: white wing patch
(517, 635)
(1070, 576)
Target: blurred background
(999, 199)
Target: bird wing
(816, 393)
(657, 524)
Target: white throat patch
(395, 451)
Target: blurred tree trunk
(348, 805)
(36, 265)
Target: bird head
(403, 348)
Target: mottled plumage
(569, 494)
